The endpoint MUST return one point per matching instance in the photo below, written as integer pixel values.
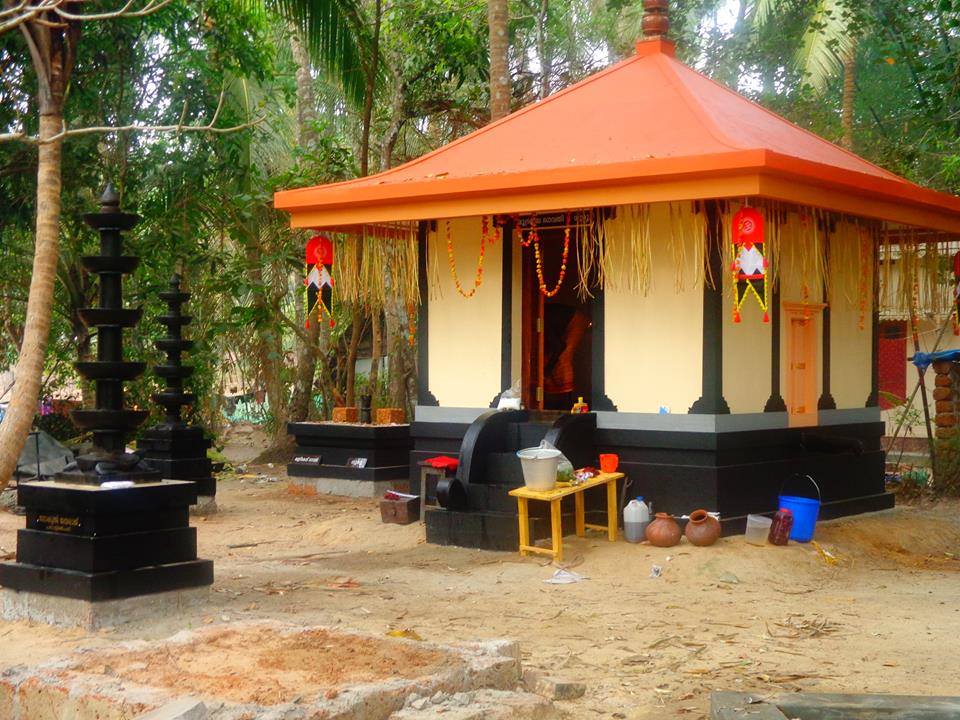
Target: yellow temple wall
(464, 333)
(851, 347)
(746, 353)
(653, 343)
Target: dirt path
(732, 616)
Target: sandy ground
(733, 616)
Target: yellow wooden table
(524, 495)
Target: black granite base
(95, 543)
(179, 452)
(324, 450)
(110, 585)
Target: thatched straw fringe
(627, 249)
(915, 275)
(376, 266)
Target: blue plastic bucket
(805, 512)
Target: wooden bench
(524, 495)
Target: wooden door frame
(811, 313)
(532, 327)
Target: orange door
(801, 371)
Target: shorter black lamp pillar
(174, 448)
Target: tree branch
(177, 128)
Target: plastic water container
(758, 527)
(539, 467)
(636, 517)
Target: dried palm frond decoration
(626, 249)
(377, 265)
(916, 273)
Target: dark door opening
(557, 330)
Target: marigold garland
(478, 280)
(563, 263)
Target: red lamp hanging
(749, 266)
(319, 279)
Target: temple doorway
(557, 326)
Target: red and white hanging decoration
(749, 266)
(319, 278)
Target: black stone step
(108, 552)
(103, 317)
(173, 344)
(113, 524)
(111, 220)
(123, 420)
(173, 371)
(108, 585)
(101, 264)
(53, 497)
(174, 321)
(107, 370)
(173, 399)
(339, 472)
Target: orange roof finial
(656, 19)
(656, 25)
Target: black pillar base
(179, 452)
(92, 543)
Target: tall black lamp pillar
(107, 527)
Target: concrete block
(182, 709)
(71, 612)
(554, 688)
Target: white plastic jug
(636, 517)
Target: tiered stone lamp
(176, 449)
(107, 527)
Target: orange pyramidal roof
(646, 129)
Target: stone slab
(831, 706)
(70, 612)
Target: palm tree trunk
(497, 22)
(351, 370)
(849, 95)
(375, 353)
(546, 57)
(306, 347)
(373, 68)
(26, 393)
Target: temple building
(702, 272)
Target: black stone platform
(735, 473)
(323, 450)
(93, 543)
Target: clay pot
(702, 529)
(663, 531)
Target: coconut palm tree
(498, 18)
(51, 32)
(828, 49)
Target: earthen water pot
(663, 531)
(702, 529)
